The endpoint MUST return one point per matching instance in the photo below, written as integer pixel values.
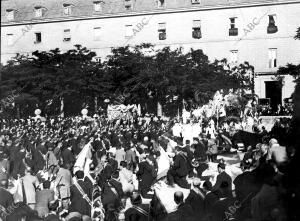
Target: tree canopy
(139, 74)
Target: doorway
(274, 92)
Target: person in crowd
(63, 183)
(196, 199)
(138, 211)
(6, 199)
(112, 193)
(52, 215)
(130, 157)
(184, 211)
(145, 175)
(68, 157)
(126, 178)
(224, 180)
(80, 195)
(212, 148)
(30, 184)
(43, 199)
(120, 154)
(278, 154)
(179, 170)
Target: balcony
(162, 36)
(272, 29)
(233, 32)
(197, 34)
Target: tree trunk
(96, 104)
(159, 109)
(62, 105)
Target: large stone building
(258, 31)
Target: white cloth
(84, 159)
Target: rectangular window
(128, 31)
(38, 12)
(10, 38)
(38, 37)
(160, 3)
(97, 33)
(67, 10)
(234, 56)
(128, 4)
(272, 28)
(196, 29)
(67, 35)
(10, 15)
(233, 31)
(162, 35)
(97, 6)
(272, 57)
(194, 2)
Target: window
(38, 37)
(98, 59)
(272, 28)
(10, 38)
(97, 33)
(97, 6)
(67, 35)
(128, 31)
(10, 14)
(272, 57)
(128, 4)
(233, 31)
(196, 29)
(160, 3)
(234, 56)
(162, 35)
(38, 12)
(194, 2)
(67, 9)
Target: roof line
(169, 11)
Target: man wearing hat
(224, 180)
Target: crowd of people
(78, 168)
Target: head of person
(178, 197)
(136, 198)
(272, 142)
(221, 167)
(195, 140)
(123, 164)
(207, 186)
(46, 184)
(187, 142)
(79, 174)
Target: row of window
(272, 55)
(97, 34)
(130, 31)
(39, 11)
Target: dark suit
(224, 179)
(145, 177)
(179, 171)
(78, 203)
(68, 157)
(6, 198)
(133, 214)
(184, 212)
(196, 201)
(111, 196)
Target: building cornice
(146, 13)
